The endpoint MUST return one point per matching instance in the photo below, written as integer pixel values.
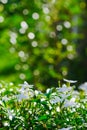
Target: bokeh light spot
(31, 35)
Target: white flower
(50, 107)
(25, 94)
(21, 96)
(1, 103)
(70, 81)
(26, 91)
(83, 87)
(10, 114)
(64, 89)
(54, 94)
(26, 85)
(2, 90)
(37, 92)
(58, 109)
(75, 94)
(64, 96)
(5, 98)
(6, 123)
(55, 100)
(70, 103)
(48, 90)
(47, 112)
(43, 99)
(69, 128)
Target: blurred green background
(43, 41)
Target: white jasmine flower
(48, 90)
(1, 103)
(50, 107)
(47, 112)
(25, 94)
(58, 109)
(26, 85)
(26, 90)
(54, 94)
(78, 105)
(69, 128)
(64, 96)
(43, 99)
(6, 123)
(22, 96)
(10, 114)
(37, 92)
(70, 103)
(64, 89)
(75, 94)
(70, 81)
(83, 87)
(55, 100)
(30, 111)
(5, 98)
(2, 90)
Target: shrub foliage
(24, 108)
